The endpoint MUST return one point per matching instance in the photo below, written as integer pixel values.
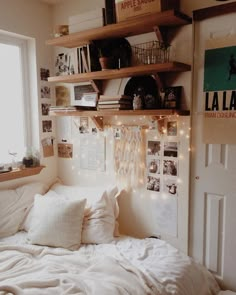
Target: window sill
(20, 173)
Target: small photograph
(170, 186)
(45, 108)
(154, 148)
(45, 91)
(117, 133)
(154, 166)
(94, 130)
(62, 96)
(84, 125)
(65, 63)
(44, 74)
(153, 183)
(65, 150)
(171, 149)
(170, 167)
(172, 97)
(47, 125)
(172, 128)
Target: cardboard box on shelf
(89, 15)
(126, 9)
(86, 25)
(88, 20)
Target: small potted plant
(105, 60)
(104, 54)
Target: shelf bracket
(98, 121)
(97, 85)
(159, 82)
(160, 123)
(161, 34)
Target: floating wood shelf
(107, 113)
(97, 116)
(123, 72)
(20, 173)
(138, 25)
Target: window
(14, 97)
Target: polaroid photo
(171, 149)
(170, 167)
(170, 186)
(153, 183)
(154, 148)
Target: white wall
(33, 19)
(142, 211)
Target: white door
(213, 173)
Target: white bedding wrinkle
(124, 266)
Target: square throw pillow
(15, 203)
(100, 215)
(56, 222)
(99, 223)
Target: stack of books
(115, 102)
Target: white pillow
(57, 222)
(15, 204)
(99, 223)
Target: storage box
(126, 9)
(86, 25)
(89, 20)
(86, 16)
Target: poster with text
(219, 91)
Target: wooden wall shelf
(138, 25)
(20, 173)
(97, 116)
(107, 113)
(123, 72)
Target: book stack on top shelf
(115, 102)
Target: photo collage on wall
(162, 162)
(46, 96)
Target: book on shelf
(121, 101)
(114, 97)
(62, 108)
(115, 106)
(115, 109)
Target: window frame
(22, 43)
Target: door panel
(213, 174)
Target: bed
(52, 256)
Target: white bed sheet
(125, 266)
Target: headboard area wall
(151, 170)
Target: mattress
(127, 265)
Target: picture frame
(84, 95)
(66, 62)
(172, 97)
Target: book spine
(110, 12)
(121, 101)
(106, 98)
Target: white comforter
(126, 266)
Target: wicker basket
(151, 52)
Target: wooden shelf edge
(134, 26)
(20, 173)
(110, 113)
(139, 70)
